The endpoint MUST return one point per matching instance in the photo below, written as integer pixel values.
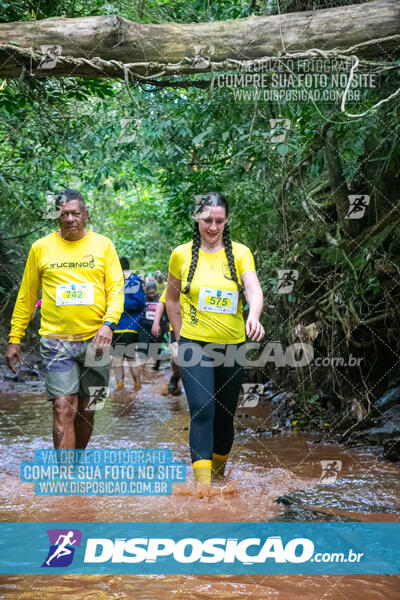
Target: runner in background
(126, 334)
(145, 336)
(212, 273)
(173, 387)
(160, 281)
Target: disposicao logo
(190, 550)
(170, 552)
(62, 542)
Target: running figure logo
(61, 550)
(357, 207)
(330, 470)
(251, 394)
(97, 397)
(286, 280)
(50, 55)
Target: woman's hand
(254, 329)
(174, 347)
(254, 296)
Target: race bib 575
(218, 301)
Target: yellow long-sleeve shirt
(53, 262)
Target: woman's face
(151, 292)
(212, 226)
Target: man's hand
(102, 340)
(156, 330)
(13, 356)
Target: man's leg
(84, 422)
(64, 413)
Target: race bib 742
(74, 293)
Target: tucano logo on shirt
(71, 265)
(226, 271)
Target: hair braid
(226, 236)
(195, 256)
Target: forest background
(140, 155)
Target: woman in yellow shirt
(210, 274)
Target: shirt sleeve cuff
(14, 340)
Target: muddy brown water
(263, 467)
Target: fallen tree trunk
(368, 29)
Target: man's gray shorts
(63, 364)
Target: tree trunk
(112, 38)
(340, 191)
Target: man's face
(72, 220)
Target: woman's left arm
(254, 296)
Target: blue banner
(200, 548)
(103, 472)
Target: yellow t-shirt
(213, 287)
(91, 262)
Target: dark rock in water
(391, 450)
(22, 374)
(389, 399)
(26, 372)
(377, 435)
(386, 429)
(284, 500)
(365, 493)
(10, 376)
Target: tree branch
(98, 46)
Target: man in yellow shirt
(83, 298)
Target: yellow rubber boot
(218, 464)
(120, 385)
(202, 471)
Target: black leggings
(212, 393)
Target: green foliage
(140, 162)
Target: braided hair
(195, 255)
(226, 236)
(220, 201)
